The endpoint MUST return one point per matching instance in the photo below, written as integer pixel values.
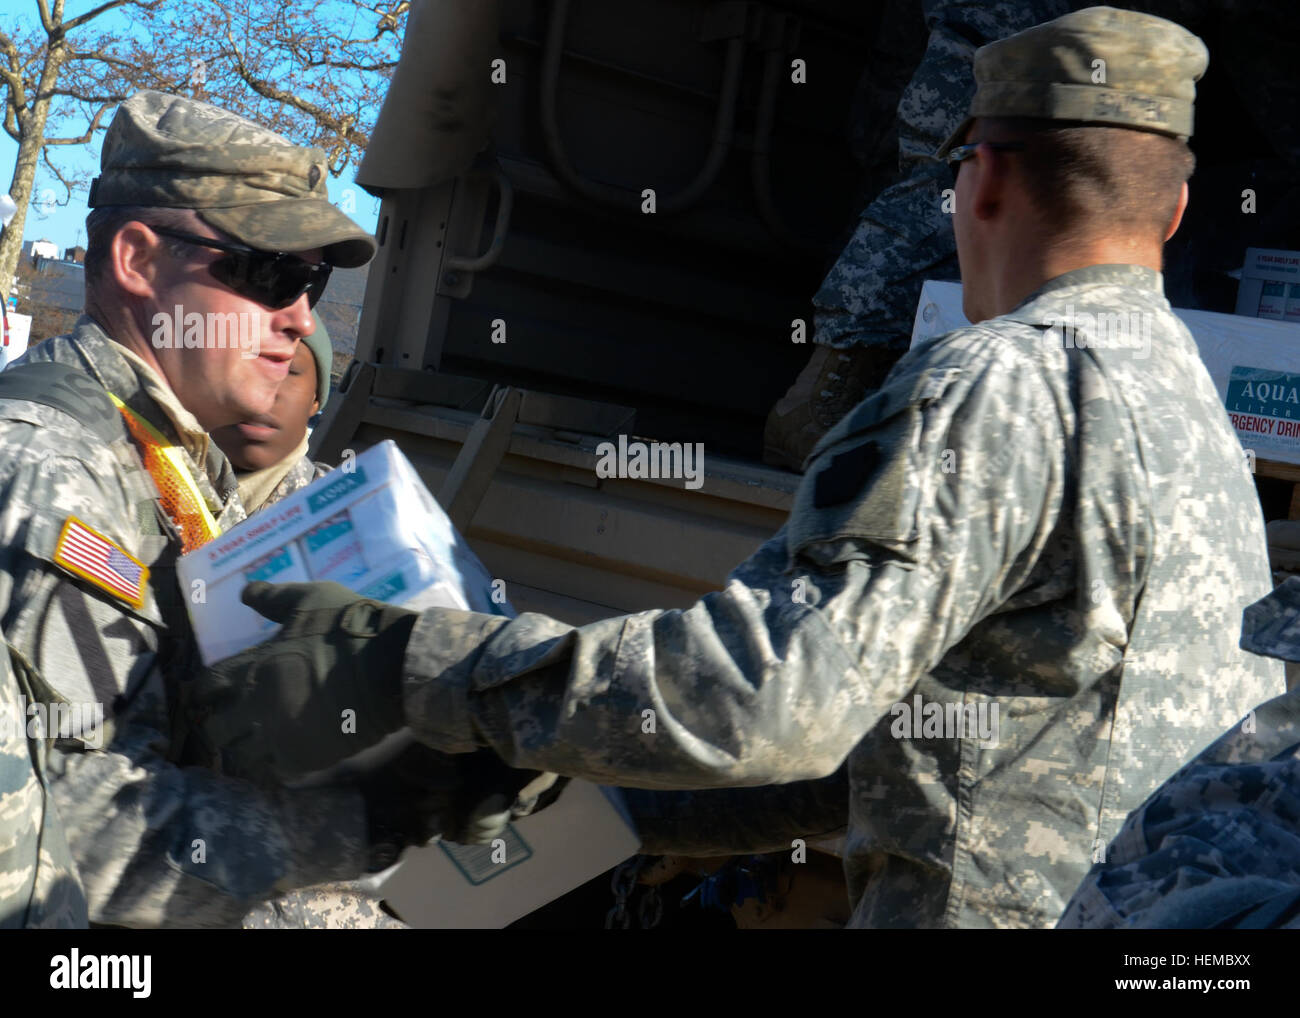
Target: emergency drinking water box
(1253, 362)
(370, 524)
(373, 526)
(1270, 285)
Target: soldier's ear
(1183, 197)
(990, 178)
(135, 259)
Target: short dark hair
(1090, 178)
(103, 224)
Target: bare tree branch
(315, 73)
(300, 45)
(102, 58)
(388, 20)
(11, 74)
(90, 131)
(95, 12)
(14, 82)
(82, 97)
(47, 19)
(67, 187)
(267, 90)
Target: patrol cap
(1099, 65)
(174, 152)
(322, 351)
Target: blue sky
(65, 224)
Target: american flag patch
(92, 556)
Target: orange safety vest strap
(178, 493)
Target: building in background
(33, 249)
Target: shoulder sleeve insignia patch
(92, 556)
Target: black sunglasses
(958, 154)
(275, 279)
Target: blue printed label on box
(334, 527)
(1264, 408)
(480, 863)
(386, 589)
(337, 488)
(269, 565)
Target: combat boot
(830, 385)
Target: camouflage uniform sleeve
(155, 844)
(336, 906)
(346, 906)
(38, 882)
(739, 821)
(161, 845)
(927, 506)
(20, 806)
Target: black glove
(468, 798)
(279, 708)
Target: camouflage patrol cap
(174, 152)
(1098, 65)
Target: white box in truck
(1254, 363)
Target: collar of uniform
(257, 487)
(135, 383)
(1137, 277)
(189, 433)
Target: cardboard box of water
(370, 525)
(1270, 285)
(373, 526)
(1253, 362)
(537, 859)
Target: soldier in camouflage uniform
(192, 847)
(1218, 845)
(865, 306)
(107, 473)
(1035, 520)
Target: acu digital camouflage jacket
(150, 842)
(1039, 518)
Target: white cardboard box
(1270, 285)
(1254, 363)
(446, 886)
(370, 525)
(374, 527)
